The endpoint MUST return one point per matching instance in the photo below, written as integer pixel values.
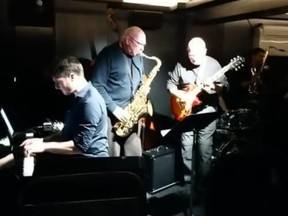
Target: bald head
(196, 43)
(133, 40)
(135, 32)
(196, 50)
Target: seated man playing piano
(84, 131)
(85, 126)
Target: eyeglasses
(137, 42)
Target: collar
(83, 90)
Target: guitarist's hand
(209, 88)
(218, 88)
(212, 88)
(184, 99)
(187, 99)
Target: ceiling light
(39, 3)
(166, 3)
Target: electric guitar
(182, 109)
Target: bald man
(182, 83)
(117, 76)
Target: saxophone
(253, 88)
(140, 104)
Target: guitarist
(181, 84)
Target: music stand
(194, 123)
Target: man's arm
(38, 145)
(173, 81)
(66, 147)
(100, 76)
(7, 161)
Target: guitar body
(178, 107)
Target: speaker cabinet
(159, 168)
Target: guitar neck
(219, 73)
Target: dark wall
(28, 50)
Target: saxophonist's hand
(121, 114)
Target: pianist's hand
(33, 145)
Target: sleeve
(174, 77)
(100, 76)
(87, 128)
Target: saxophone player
(247, 83)
(117, 75)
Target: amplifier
(159, 168)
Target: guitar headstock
(237, 62)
